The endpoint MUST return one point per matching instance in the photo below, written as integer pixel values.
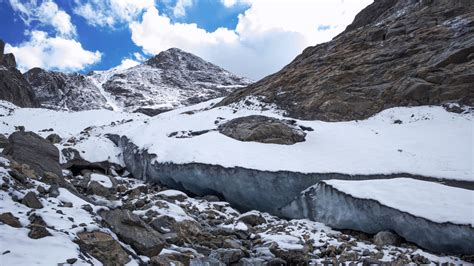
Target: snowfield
(426, 140)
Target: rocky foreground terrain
(93, 213)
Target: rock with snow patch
(252, 218)
(262, 129)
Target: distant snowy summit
(171, 79)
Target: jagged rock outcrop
(395, 53)
(262, 129)
(13, 86)
(60, 91)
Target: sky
(252, 38)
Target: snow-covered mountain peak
(173, 78)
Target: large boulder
(31, 149)
(133, 231)
(103, 247)
(262, 129)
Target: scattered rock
(31, 201)
(227, 256)
(98, 189)
(252, 218)
(71, 260)
(386, 238)
(103, 247)
(54, 138)
(8, 218)
(37, 232)
(133, 231)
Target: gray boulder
(54, 138)
(103, 247)
(33, 150)
(263, 129)
(386, 238)
(133, 231)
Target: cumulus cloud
(127, 63)
(53, 53)
(179, 9)
(109, 13)
(268, 34)
(47, 13)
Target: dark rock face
(13, 86)
(339, 210)
(56, 90)
(396, 53)
(133, 231)
(262, 129)
(33, 150)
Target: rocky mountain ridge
(171, 79)
(13, 86)
(395, 53)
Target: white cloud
(268, 35)
(139, 57)
(179, 9)
(127, 63)
(52, 53)
(47, 13)
(108, 13)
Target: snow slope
(429, 200)
(425, 140)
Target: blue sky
(249, 37)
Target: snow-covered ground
(425, 140)
(429, 200)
